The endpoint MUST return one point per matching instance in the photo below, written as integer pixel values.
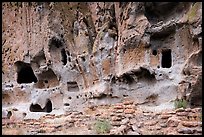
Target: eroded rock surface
(59, 57)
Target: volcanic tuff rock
(67, 56)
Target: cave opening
(55, 42)
(25, 73)
(83, 59)
(128, 79)
(154, 52)
(9, 114)
(64, 56)
(37, 107)
(156, 11)
(166, 61)
(72, 86)
(144, 74)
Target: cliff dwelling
(63, 57)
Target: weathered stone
(134, 127)
(67, 57)
(182, 113)
(198, 130)
(200, 124)
(130, 107)
(133, 121)
(186, 130)
(129, 111)
(195, 110)
(130, 116)
(171, 112)
(151, 123)
(128, 102)
(119, 130)
(125, 121)
(180, 110)
(119, 111)
(132, 133)
(115, 118)
(115, 123)
(118, 107)
(190, 123)
(140, 124)
(164, 116)
(163, 125)
(173, 122)
(188, 109)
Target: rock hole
(124, 50)
(72, 86)
(144, 74)
(77, 61)
(166, 58)
(46, 81)
(69, 59)
(66, 104)
(9, 114)
(25, 73)
(64, 56)
(128, 79)
(68, 53)
(54, 43)
(83, 59)
(154, 52)
(37, 107)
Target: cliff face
(69, 56)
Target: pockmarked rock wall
(66, 56)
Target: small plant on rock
(180, 103)
(102, 126)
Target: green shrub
(193, 11)
(180, 103)
(102, 126)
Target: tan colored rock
(186, 130)
(115, 118)
(64, 57)
(118, 107)
(128, 102)
(119, 111)
(173, 122)
(129, 111)
(190, 123)
(151, 123)
(182, 113)
(180, 110)
(164, 116)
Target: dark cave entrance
(166, 61)
(64, 56)
(25, 73)
(37, 108)
(154, 52)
